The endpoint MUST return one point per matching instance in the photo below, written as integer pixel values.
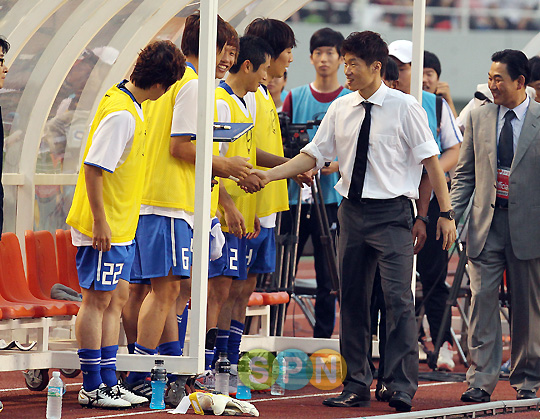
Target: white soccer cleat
(445, 361)
(127, 395)
(103, 397)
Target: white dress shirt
(517, 122)
(399, 140)
(450, 132)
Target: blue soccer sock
(108, 365)
(172, 349)
(208, 358)
(233, 348)
(134, 376)
(90, 360)
(182, 327)
(131, 348)
(222, 342)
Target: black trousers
(432, 265)
(325, 303)
(377, 232)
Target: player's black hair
(252, 49)
(368, 46)
(277, 33)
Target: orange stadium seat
(255, 299)
(16, 311)
(41, 270)
(13, 284)
(65, 254)
(275, 298)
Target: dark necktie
(506, 141)
(360, 162)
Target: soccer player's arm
(233, 217)
(101, 232)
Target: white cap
(402, 50)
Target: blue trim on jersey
(101, 167)
(103, 270)
(228, 89)
(191, 66)
(223, 84)
(122, 87)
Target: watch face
(451, 214)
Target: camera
(296, 136)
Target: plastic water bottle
(159, 383)
(55, 391)
(223, 370)
(243, 391)
(279, 370)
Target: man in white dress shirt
(381, 138)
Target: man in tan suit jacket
(500, 162)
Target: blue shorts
(261, 252)
(104, 269)
(158, 250)
(233, 260)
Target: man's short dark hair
(4, 45)
(432, 61)
(516, 63)
(326, 37)
(275, 32)
(391, 73)
(367, 45)
(254, 49)
(160, 62)
(192, 27)
(534, 67)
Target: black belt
(377, 201)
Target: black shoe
(382, 393)
(401, 401)
(526, 394)
(475, 395)
(348, 399)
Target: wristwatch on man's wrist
(450, 214)
(422, 218)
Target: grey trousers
(485, 336)
(371, 233)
